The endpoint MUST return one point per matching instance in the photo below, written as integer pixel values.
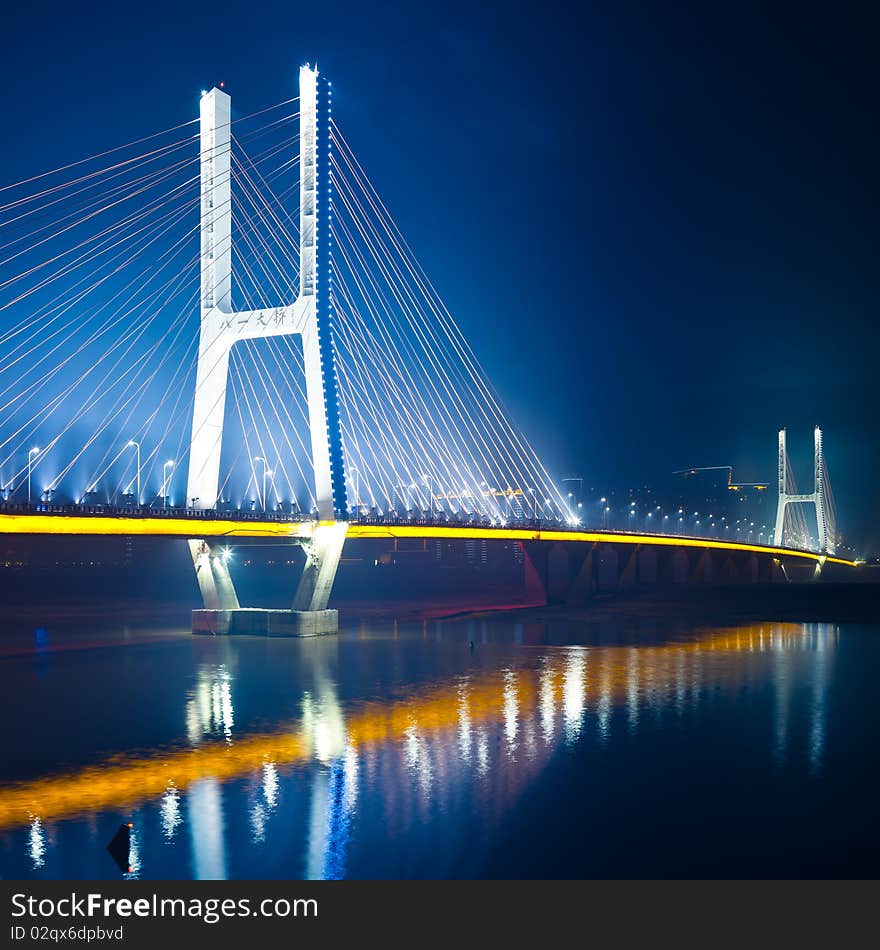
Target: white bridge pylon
(817, 497)
(222, 326)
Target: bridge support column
(770, 570)
(585, 581)
(212, 573)
(729, 572)
(323, 552)
(629, 575)
(700, 567)
(666, 558)
(534, 572)
(223, 615)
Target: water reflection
(548, 711)
(510, 710)
(206, 825)
(169, 809)
(37, 844)
(468, 744)
(573, 692)
(209, 705)
(821, 676)
(134, 857)
(782, 686)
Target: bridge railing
(389, 519)
(143, 511)
(537, 524)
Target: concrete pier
(259, 622)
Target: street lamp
(260, 458)
(168, 465)
(137, 447)
(427, 481)
(34, 451)
(274, 487)
(357, 491)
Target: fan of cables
(99, 325)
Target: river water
(465, 749)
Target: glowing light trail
(184, 527)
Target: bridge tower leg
(819, 490)
(781, 466)
(310, 317)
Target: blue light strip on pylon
(323, 298)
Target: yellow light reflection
(531, 702)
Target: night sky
(656, 224)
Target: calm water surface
(457, 749)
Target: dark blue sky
(655, 223)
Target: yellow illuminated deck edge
(592, 537)
(229, 528)
(168, 527)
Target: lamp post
(427, 481)
(274, 488)
(137, 447)
(260, 458)
(356, 484)
(34, 451)
(168, 465)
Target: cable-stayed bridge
(323, 391)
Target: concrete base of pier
(256, 621)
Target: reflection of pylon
(817, 498)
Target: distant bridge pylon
(819, 497)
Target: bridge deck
(194, 525)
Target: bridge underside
(562, 565)
(385, 564)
